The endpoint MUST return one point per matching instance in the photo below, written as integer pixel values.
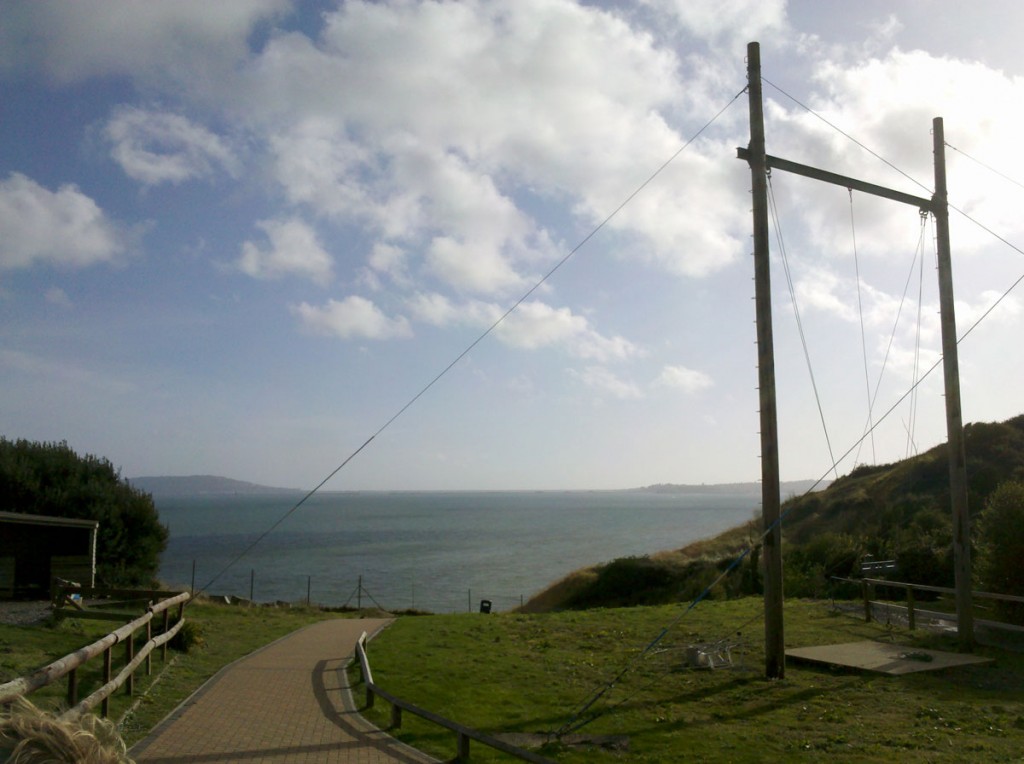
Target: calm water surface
(436, 551)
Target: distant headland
(787, 487)
(199, 485)
(194, 485)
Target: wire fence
(360, 592)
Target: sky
(243, 238)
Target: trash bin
(485, 606)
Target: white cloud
(682, 378)
(156, 147)
(63, 227)
(473, 266)
(736, 19)
(294, 250)
(1005, 312)
(438, 310)
(551, 102)
(390, 260)
(887, 103)
(353, 318)
(535, 325)
(604, 381)
(320, 166)
(818, 289)
(186, 41)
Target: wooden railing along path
(69, 664)
(463, 733)
(867, 586)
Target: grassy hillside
(525, 675)
(893, 511)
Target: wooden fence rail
(69, 664)
(463, 734)
(867, 586)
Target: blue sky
(237, 238)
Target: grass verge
(225, 633)
(515, 673)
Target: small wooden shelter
(34, 549)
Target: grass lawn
(227, 633)
(510, 673)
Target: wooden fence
(69, 664)
(463, 734)
(867, 586)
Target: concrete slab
(885, 658)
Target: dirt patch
(619, 743)
(27, 613)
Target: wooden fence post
(462, 752)
(167, 624)
(105, 706)
(149, 655)
(396, 716)
(72, 687)
(129, 654)
(866, 591)
(911, 616)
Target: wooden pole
(129, 656)
(775, 649)
(954, 417)
(107, 660)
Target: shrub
(51, 479)
(1001, 546)
(189, 636)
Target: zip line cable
(796, 313)
(860, 311)
(909, 177)
(915, 398)
(918, 252)
(636, 192)
(987, 167)
(848, 136)
(921, 185)
(577, 720)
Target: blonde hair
(29, 735)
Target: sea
(440, 552)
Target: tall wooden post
(775, 649)
(954, 417)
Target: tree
(51, 479)
(1001, 545)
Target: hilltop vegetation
(51, 479)
(893, 511)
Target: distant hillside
(788, 488)
(193, 485)
(895, 511)
(882, 499)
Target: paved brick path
(289, 702)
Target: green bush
(188, 637)
(1001, 546)
(51, 479)
(624, 582)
